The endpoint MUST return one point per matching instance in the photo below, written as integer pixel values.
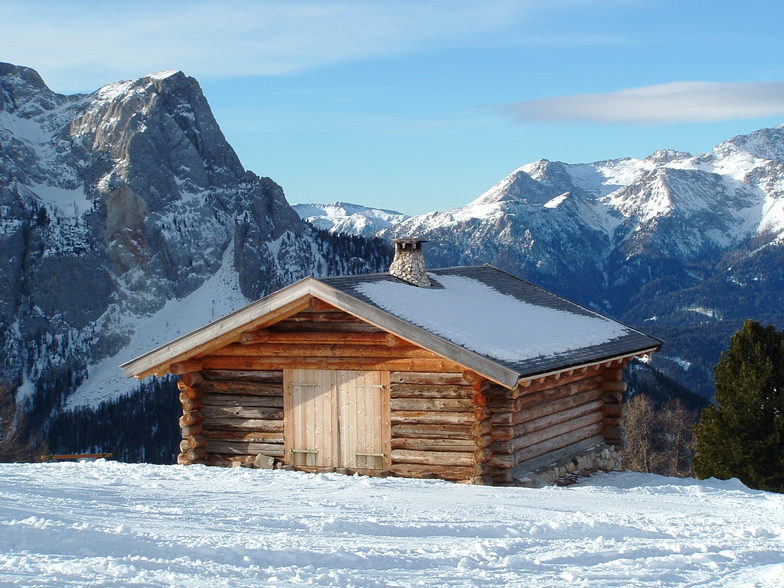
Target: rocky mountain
(685, 247)
(347, 218)
(126, 217)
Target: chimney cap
(409, 240)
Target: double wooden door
(337, 419)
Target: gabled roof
(493, 323)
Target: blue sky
(423, 105)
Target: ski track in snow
(106, 523)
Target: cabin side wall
(552, 420)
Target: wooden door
(337, 418)
(310, 419)
(361, 412)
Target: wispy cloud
(97, 40)
(663, 103)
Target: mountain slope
(685, 247)
(120, 207)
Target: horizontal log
(191, 417)
(319, 338)
(243, 375)
(187, 431)
(195, 441)
(555, 393)
(612, 410)
(410, 417)
(409, 470)
(367, 363)
(192, 443)
(241, 412)
(191, 405)
(242, 400)
(313, 351)
(611, 386)
(553, 382)
(506, 402)
(481, 413)
(192, 455)
(510, 461)
(430, 431)
(191, 379)
(482, 441)
(548, 402)
(503, 433)
(309, 316)
(518, 443)
(438, 404)
(244, 448)
(249, 425)
(433, 444)
(482, 455)
(428, 378)
(184, 367)
(439, 458)
(480, 399)
(188, 393)
(243, 388)
(481, 428)
(548, 407)
(255, 436)
(612, 374)
(430, 391)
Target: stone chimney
(409, 262)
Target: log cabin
(465, 373)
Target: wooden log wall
(612, 407)
(236, 415)
(543, 417)
(434, 425)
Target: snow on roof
(480, 318)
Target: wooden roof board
(344, 293)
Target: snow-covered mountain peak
(348, 218)
(763, 144)
(665, 156)
(23, 92)
(163, 74)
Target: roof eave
(181, 348)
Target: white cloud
(97, 42)
(663, 103)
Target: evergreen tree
(742, 435)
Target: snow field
(106, 523)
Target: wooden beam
(333, 350)
(230, 336)
(369, 363)
(319, 338)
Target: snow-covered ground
(106, 523)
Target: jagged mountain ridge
(347, 218)
(117, 203)
(683, 246)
